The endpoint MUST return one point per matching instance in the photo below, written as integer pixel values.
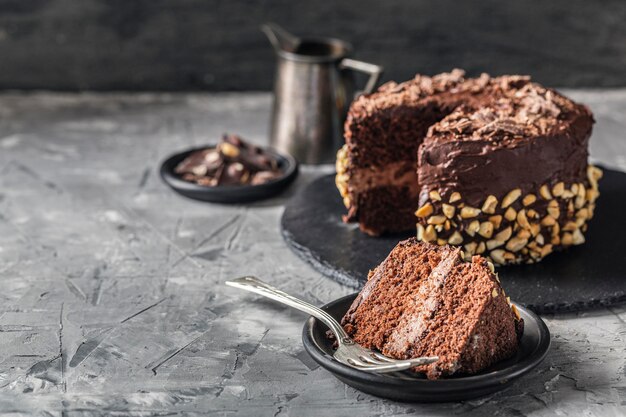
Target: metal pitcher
(313, 89)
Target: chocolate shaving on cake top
(530, 99)
(518, 112)
(422, 85)
(392, 94)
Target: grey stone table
(113, 301)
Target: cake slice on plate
(425, 300)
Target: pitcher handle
(375, 71)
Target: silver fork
(348, 352)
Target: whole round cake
(496, 165)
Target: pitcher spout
(281, 40)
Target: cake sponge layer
(424, 300)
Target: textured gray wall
(216, 45)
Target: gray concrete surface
(112, 299)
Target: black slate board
(583, 277)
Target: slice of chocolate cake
(424, 300)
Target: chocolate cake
(498, 165)
(425, 300)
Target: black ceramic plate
(582, 277)
(409, 386)
(228, 194)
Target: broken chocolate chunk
(232, 162)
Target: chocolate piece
(233, 174)
(252, 157)
(265, 176)
(201, 163)
(423, 300)
(232, 162)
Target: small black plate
(228, 194)
(409, 386)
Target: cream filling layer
(397, 174)
(415, 319)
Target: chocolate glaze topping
(527, 136)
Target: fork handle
(257, 286)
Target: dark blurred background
(216, 45)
